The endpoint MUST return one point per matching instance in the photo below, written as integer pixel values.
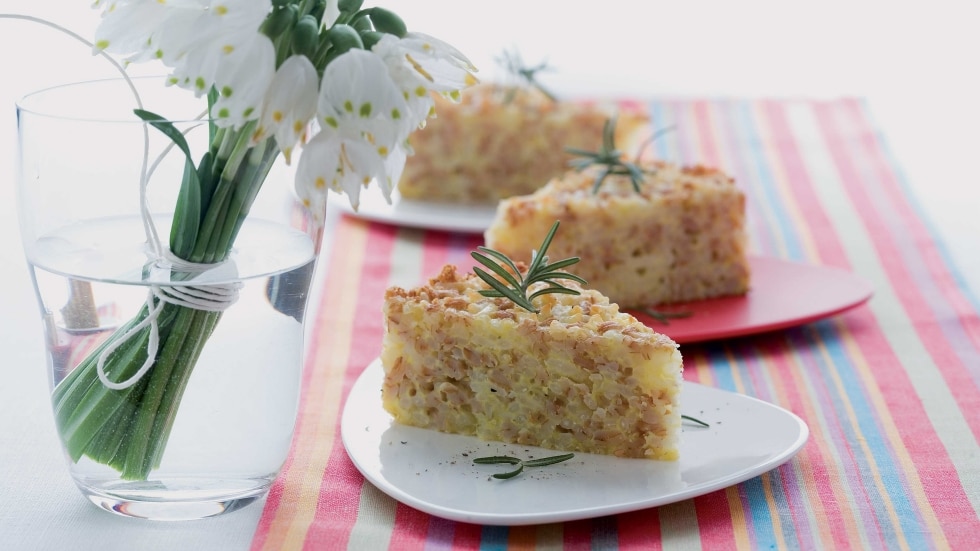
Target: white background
(916, 63)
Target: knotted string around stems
(211, 298)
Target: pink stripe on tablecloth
(785, 152)
(952, 325)
(918, 434)
(340, 485)
(639, 530)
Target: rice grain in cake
(681, 238)
(502, 141)
(578, 376)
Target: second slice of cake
(579, 375)
(681, 237)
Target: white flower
(394, 165)
(290, 103)
(242, 79)
(343, 163)
(197, 38)
(219, 39)
(131, 29)
(358, 95)
(419, 64)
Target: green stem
(152, 397)
(128, 429)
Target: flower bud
(361, 24)
(318, 9)
(350, 6)
(279, 21)
(369, 38)
(305, 35)
(344, 37)
(387, 22)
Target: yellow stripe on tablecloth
(740, 526)
(887, 309)
(827, 451)
(735, 372)
(317, 425)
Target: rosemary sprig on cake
(512, 62)
(516, 285)
(612, 158)
(609, 156)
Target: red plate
(784, 294)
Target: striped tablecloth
(889, 390)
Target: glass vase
(167, 408)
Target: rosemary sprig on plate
(698, 422)
(665, 317)
(515, 285)
(521, 464)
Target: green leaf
(167, 128)
(544, 461)
(546, 276)
(695, 421)
(540, 270)
(187, 216)
(554, 289)
(506, 459)
(497, 268)
(582, 152)
(541, 256)
(510, 474)
(503, 258)
(665, 317)
(504, 290)
(495, 459)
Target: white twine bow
(211, 298)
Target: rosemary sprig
(695, 421)
(521, 464)
(665, 317)
(514, 285)
(607, 155)
(512, 62)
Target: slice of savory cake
(578, 375)
(502, 141)
(681, 237)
